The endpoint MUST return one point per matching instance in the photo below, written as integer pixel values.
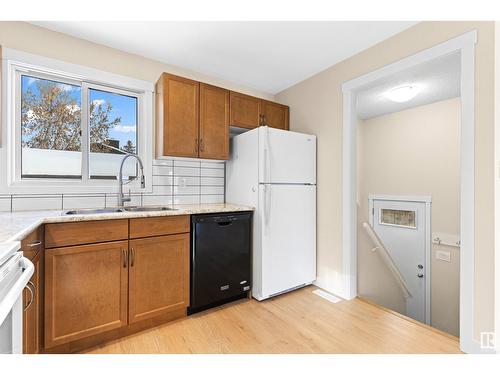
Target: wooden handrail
(386, 257)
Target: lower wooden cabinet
(32, 299)
(85, 291)
(158, 276)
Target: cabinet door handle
(132, 257)
(264, 120)
(196, 145)
(124, 254)
(260, 120)
(202, 147)
(32, 295)
(34, 244)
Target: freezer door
(286, 157)
(288, 230)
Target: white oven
(15, 272)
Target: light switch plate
(443, 255)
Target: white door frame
(428, 237)
(465, 44)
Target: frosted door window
(401, 218)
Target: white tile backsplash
(36, 202)
(162, 180)
(4, 203)
(83, 201)
(175, 181)
(157, 200)
(210, 190)
(187, 199)
(213, 164)
(212, 172)
(186, 190)
(187, 163)
(186, 171)
(186, 181)
(212, 181)
(212, 199)
(162, 170)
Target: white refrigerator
(275, 171)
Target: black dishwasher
(221, 249)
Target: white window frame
(14, 64)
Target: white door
(288, 228)
(401, 225)
(286, 157)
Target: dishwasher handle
(225, 223)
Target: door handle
(132, 257)
(124, 254)
(32, 295)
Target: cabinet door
(245, 110)
(274, 115)
(159, 276)
(31, 316)
(214, 122)
(177, 115)
(85, 291)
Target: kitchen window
(67, 129)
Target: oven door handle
(16, 291)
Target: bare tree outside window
(51, 129)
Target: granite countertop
(14, 226)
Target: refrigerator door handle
(267, 208)
(268, 157)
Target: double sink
(112, 210)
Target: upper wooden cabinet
(245, 111)
(177, 105)
(193, 118)
(214, 122)
(250, 112)
(274, 115)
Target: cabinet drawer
(158, 226)
(85, 232)
(32, 243)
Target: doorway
(403, 226)
(465, 46)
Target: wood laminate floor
(298, 322)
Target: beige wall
(413, 152)
(37, 40)
(316, 107)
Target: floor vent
(327, 296)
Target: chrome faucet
(121, 197)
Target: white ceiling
(267, 56)
(439, 79)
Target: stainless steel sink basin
(94, 211)
(148, 208)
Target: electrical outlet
(182, 182)
(443, 255)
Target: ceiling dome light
(402, 93)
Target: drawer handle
(32, 295)
(34, 244)
(132, 257)
(124, 253)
